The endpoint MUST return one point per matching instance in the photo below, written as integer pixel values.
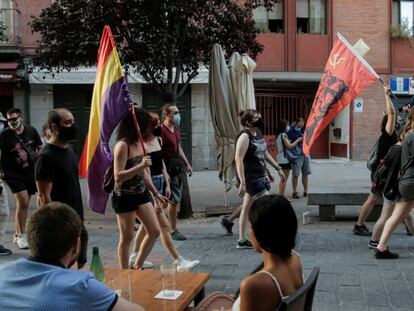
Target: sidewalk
(350, 278)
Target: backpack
(373, 160)
(290, 154)
(387, 170)
(108, 183)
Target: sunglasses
(12, 119)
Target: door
(152, 101)
(77, 99)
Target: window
(403, 15)
(311, 16)
(269, 21)
(5, 19)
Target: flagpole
(141, 140)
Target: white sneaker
(146, 265)
(184, 264)
(21, 241)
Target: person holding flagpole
(131, 197)
(387, 139)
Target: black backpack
(373, 160)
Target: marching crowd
(148, 180)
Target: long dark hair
(126, 129)
(281, 126)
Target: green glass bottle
(96, 266)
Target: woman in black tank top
(254, 176)
(160, 179)
(131, 197)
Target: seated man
(43, 281)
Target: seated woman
(273, 233)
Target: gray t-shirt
(407, 159)
(281, 154)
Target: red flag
(346, 75)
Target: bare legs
(386, 213)
(22, 205)
(165, 236)
(148, 218)
(282, 184)
(367, 208)
(172, 216)
(401, 211)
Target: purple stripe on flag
(114, 106)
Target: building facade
(297, 36)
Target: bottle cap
(95, 250)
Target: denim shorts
(388, 201)
(257, 187)
(158, 182)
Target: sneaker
(146, 265)
(373, 244)
(362, 230)
(295, 195)
(184, 264)
(4, 251)
(178, 236)
(227, 225)
(21, 241)
(305, 194)
(244, 244)
(387, 254)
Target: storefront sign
(7, 76)
(400, 85)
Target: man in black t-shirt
(19, 146)
(56, 170)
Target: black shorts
(129, 202)
(21, 184)
(286, 166)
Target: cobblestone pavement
(350, 278)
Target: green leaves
(153, 36)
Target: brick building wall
(370, 21)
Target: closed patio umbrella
(241, 74)
(223, 115)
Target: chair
(302, 299)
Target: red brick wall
(27, 9)
(368, 20)
(366, 125)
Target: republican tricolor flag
(346, 74)
(110, 103)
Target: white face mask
(1, 127)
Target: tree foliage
(166, 41)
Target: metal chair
(302, 299)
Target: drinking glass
(168, 273)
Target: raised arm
(390, 111)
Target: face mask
(177, 119)
(287, 128)
(1, 127)
(68, 133)
(259, 123)
(14, 125)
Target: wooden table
(146, 284)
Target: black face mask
(68, 133)
(258, 124)
(157, 131)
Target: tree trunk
(186, 210)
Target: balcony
(10, 19)
(402, 56)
